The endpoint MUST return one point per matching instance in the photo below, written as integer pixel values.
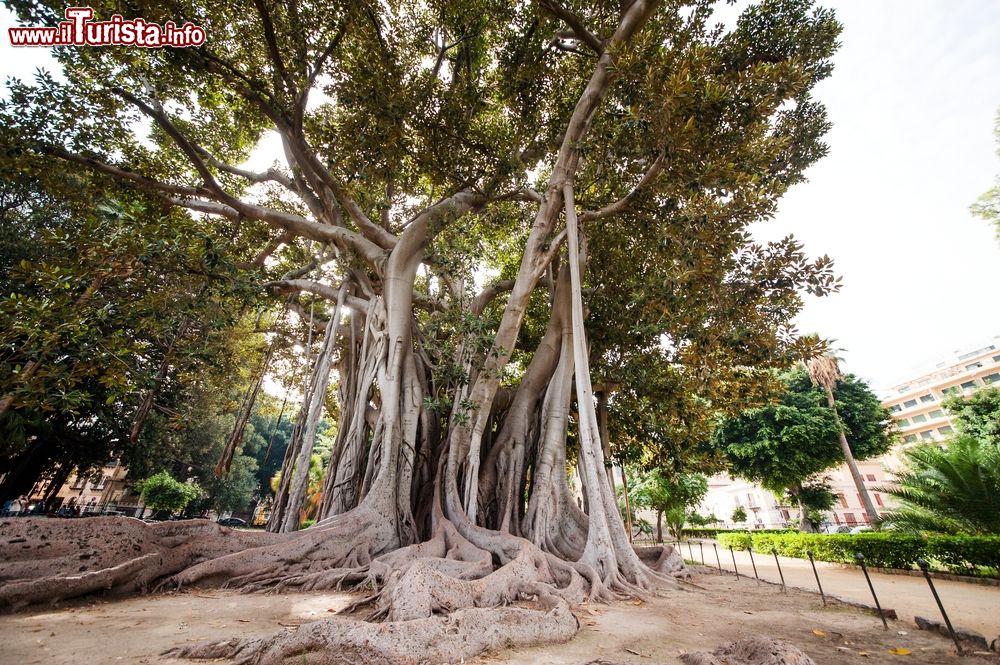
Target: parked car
(835, 528)
(232, 521)
(859, 529)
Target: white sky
(913, 101)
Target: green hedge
(712, 533)
(976, 555)
(967, 555)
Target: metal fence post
(690, 553)
(774, 551)
(718, 562)
(937, 599)
(701, 549)
(813, 564)
(754, 564)
(735, 569)
(861, 560)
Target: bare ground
(722, 610)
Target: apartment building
(916, 404)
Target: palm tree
(949, 490)
(824, 372)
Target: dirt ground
(717, 610)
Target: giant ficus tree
(454, 174)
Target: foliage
(104, 301)
(783, 445)
(700, 532)
(162, 492)
(739, 515)
(815, 498)
(949, 489)
(988, 205)
(235, 490)
(670, 495)
(977, 415)
(883, 549)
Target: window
(973, 366)
(79, 483)
(949, 391)
(910, 403)
(909, 438)
(926, 398)
(968, 385)
(843, 500)
(936, 413)
(945, 430)
(926, 436)
(870, 476)
(902, 422)
(919, 418)
(996, 359)
(992, 378)
(895, 408)
(849, 517)
(976, 352)
(878, 499)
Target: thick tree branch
(286, 286)
(575, 23)
(621, 204)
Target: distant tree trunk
(805, 524)
(628, 505)
(659, 526)
(859, 482)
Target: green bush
(960, 554)
(966, 554)
(712, 533)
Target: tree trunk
(659, 526)
(859, 481)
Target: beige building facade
(915, 406)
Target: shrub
(959, 554)
(966, 554)
(712, 533)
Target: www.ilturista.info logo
(80, 30)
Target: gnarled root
(434, 639)
(49, 560)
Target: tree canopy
(482, 214)
(785, 445)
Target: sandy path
(136, 630)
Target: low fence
(961, 555)
(723, 558)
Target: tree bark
(859, 481)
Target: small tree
(948, 490)
(670, 496)
(162, 492)
(739, 515)
(785, 446)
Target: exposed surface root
(750, 651)
(464, 633)
(664, 559)
(43, 559)
(447, 598)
